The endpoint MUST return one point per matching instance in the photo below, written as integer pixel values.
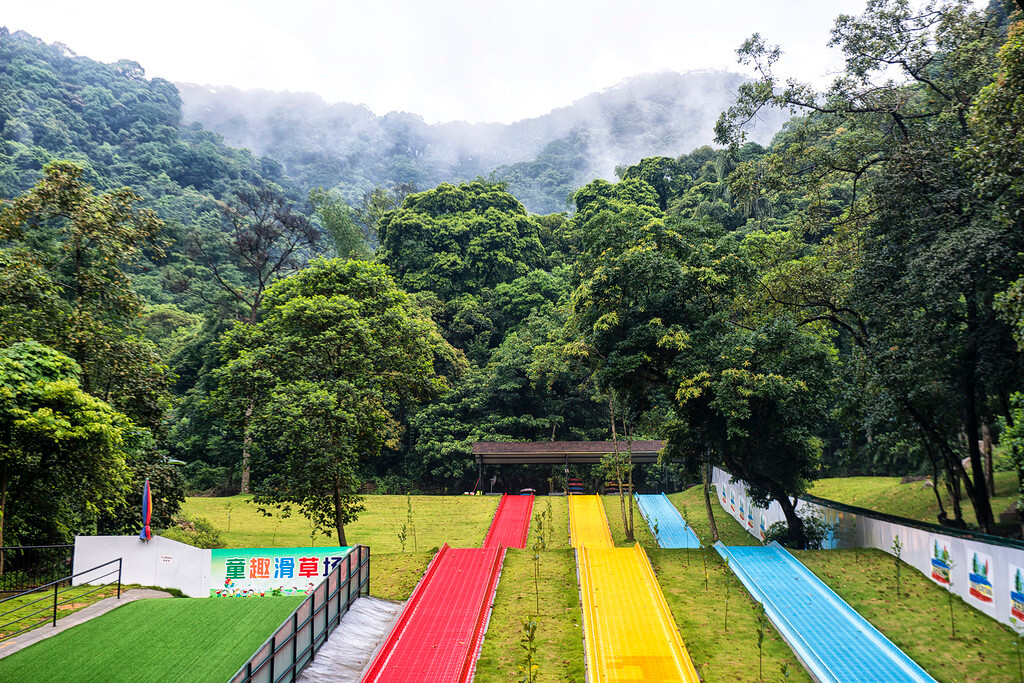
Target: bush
(202, 477)
(195, 531)
(815, 532)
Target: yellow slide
(588, 525)
(630, 634)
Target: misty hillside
(348, 147)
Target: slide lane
(672, 530)
(629, 632)
(511, 523)
(832, 640)
(588, 525)
(438, 636)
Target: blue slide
(672, 530)
(832, 641)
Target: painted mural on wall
(1016, 592)
(981, 585)
(270, 572)
(941, 561)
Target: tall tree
(924, 256)
(337, 351)
(62, 458)
(68, 252)
(261, 239)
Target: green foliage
(194, 531)
(338, 350)
(528, 669)
(459, 240)
(76, 247)
(815, 531)
(62, 451)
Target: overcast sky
(443, 59)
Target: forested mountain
(349, 148)
(846, 298)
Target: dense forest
(332, 318)
(541, 160)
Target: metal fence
(298, 639)
(49, 610)
(28, 566)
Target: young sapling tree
(528, 668)
(897, 550)
(761, 621)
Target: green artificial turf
(183, 639)
(913, 500)
(460, 521)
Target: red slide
(511, 523)
(438, 636)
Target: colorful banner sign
(264, 572)
(941, 561)
(1016, 592)
(981, 570)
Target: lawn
(918, 622)
(719, 654)
(461, 521)
(559, 631)
(912, 500)
(690, 504)
(181, 639)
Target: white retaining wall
(157, 562)
(992, 589)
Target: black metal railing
(54, 603)
(298, 639)
(28, 566)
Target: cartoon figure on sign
(940, 563)
(1017, 594)
(981, 587)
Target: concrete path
(352, 645)
(85, 614)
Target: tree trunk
(796, 525)
(976, 488)
(707, 498)
(338, 523)
(986, 441)
(935, 481)
(3, 514)
(246, 445)
(629, 464)
(618, 471)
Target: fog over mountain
(349, 148)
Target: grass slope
(183, 639)
(913, 501)
(918, 622)
(461, 521)
(559, 629)
(719, 654)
